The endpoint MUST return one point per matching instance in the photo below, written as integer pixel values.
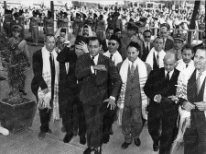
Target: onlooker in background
(156, 54)
(148, 45)
(168, 43)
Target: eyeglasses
(113, 44)
(147, 36)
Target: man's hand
(158, 98)
(45, 91)
(174, 98)
(111, 103)
(100, 67)
(83, 46)
(188, 106)
(201, 105)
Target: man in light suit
(195, 135)
(96, 71)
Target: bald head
(169, 61)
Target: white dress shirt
(170, 73)
(116, 58)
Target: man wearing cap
(168, 42)
(69, 88)
(178, 45)
(131, 35)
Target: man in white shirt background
(112, 52)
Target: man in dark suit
(168, 41)
(69, 88)
(148, 45)
(96, 71)
(162, 110)
(195, 135)
(45, 69)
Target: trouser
(94, 122)
(80, 117)
(131, 123)
(166, 123)
(71, 119)
(45, 115)
(109, 117)
(195, 136)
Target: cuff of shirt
(92, 69)
(112, 97)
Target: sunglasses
(147, 36)
(113, 44)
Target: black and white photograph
(102, 77)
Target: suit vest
(133, 94)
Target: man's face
(62, 37)
(158, 44)
(50, 43)
(164, 32)
(16, 34)
(147, 36)
(132, 53)
(169, 64)
(118, 34)
(113, 45)
(187, 55)
(94, 47)
(178, 44)
(131, 32)
(109, 33)
(200, 59)
(85, 31)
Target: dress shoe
(97, 151)
(67, 138)
(23, 92)
(82, 140)
(125, 145)
(105, 139)
(41, 135)
(137, 142)
(88, 151)
(155, 146)
(49, 131)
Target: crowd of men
(118, 69)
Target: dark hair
(94, 38)
(147, 31)
(135, 45)
(80, 38)
(49, 35)
(158, 37)
(187, 47)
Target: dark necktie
(52, 66)
(111, 55)
(168, 76)
(157, 59)
(186, 65)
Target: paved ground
(26, 142)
